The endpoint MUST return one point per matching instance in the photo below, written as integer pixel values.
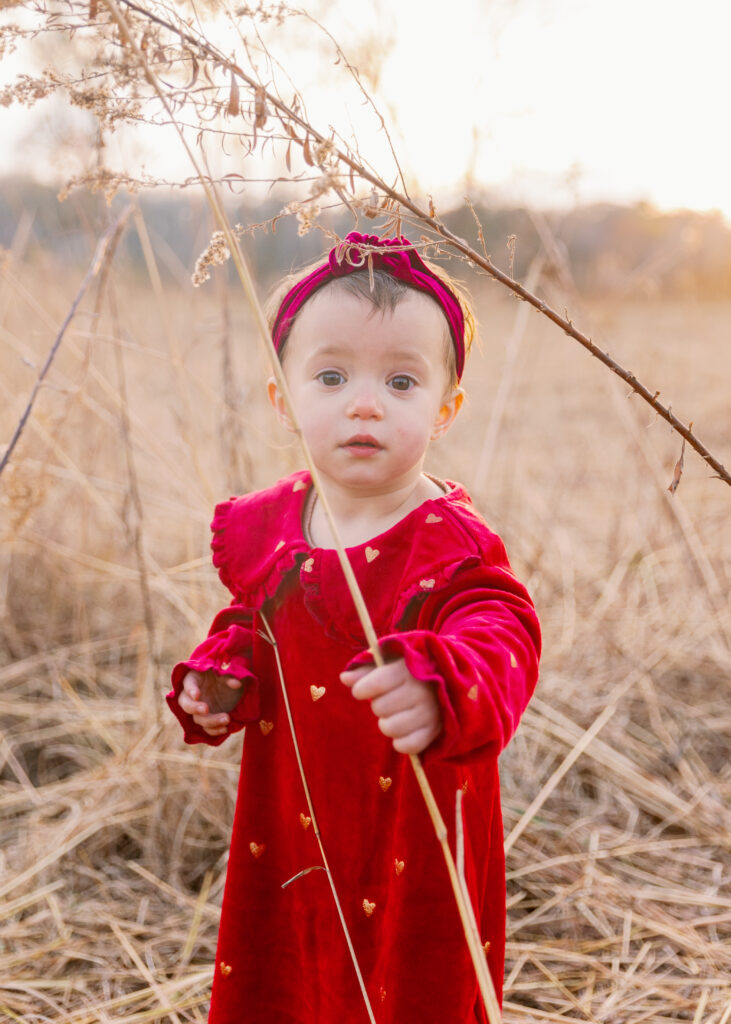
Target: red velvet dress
(442, 596)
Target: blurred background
(588, 140)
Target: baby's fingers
(415, 742)
(373, 682)
(214, 725)
(352, 675)
(192, 684)
(410, 731)
(191, 705)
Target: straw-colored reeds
(114, 835)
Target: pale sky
(544, 101)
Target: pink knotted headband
(388, 254)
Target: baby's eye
(402, 382)
(331, 378)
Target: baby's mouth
(362, 443)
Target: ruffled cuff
(216, 654)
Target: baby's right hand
(208, 696)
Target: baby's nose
(364, 404)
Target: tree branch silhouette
(396, 200)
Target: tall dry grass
(114, 835)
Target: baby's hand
(208, 696)
(407, 709)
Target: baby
(372, 344)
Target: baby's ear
(447, 413)
(278, 404)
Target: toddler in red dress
(372, 344)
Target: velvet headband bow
(386, 254)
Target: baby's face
(371, 389)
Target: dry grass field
(114, 835)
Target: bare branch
(453, 242)
(105, 247)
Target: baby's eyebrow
(394, 355)
(407, 356)
(328, 350)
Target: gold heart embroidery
(266, 727)
(225, 968)
(398, 866)
(316, 692)
(368, 908)
(513, 662)
(279, 545)
(426, 584)
(305, 821)
(431, 518)
(300, 485)
(225, 666)
(307, 564)
(257, 849)
(371, 553)
(472, 692)
(384, 783)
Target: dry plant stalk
(106, 246)
(315, 827)
(229, 238)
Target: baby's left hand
(407, 709)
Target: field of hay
(114, 835)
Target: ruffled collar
(310, 500)
(258, 537)
(258, 540)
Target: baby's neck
(359, 518)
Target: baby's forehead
(338, 313)
(407, 305)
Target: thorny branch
(337, 166)
(387, 199)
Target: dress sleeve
(227, 651)
(477, 642)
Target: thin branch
(315, 826)
(247, 282)
(105, 246)
(490, 996)
(567, 326)
(353, 71)
(138, 514)
(456, 243)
